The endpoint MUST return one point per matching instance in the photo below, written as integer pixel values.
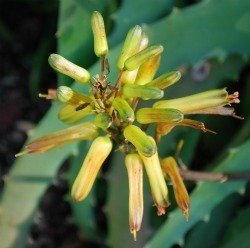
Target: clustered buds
(115, 119)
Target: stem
(213, 176)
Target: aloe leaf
(241, 239)
(26, 182)
(234, 230)
(150, 11)
(215, 226)
(202, 31)
(203, 199)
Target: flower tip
(21, 153)
(134, 234)
(186, 214)
(234, 98)
(161, 210)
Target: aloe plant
(200, 32)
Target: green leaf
(149, 11)
(212, 230)
(28, 179)
(241, 240)
(202, 31)
(203, 199)
(236, 229)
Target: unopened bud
(124, 110)
(130, 46)
(66, 67)
(68, 114)
(169, 166)
(147, 70)
(142, 142)
(197, 102)
(128, 77)
(134, 166)
(157, 182)
(98, 152)
(67, 95)
(141, 57)
(100, 40)
(103, 120)
(165, 80)
(151, 115)
(85, 131)
(141, 91)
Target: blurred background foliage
(209, 41)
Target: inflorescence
(117, 121)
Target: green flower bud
(142, 142)
(66, 67)
(100, 40)
(124, 110)
(98, 152)
(103, 120)
(141, 57)
(157, 183)
(85, 131)
(141, 91)
(67, 95)
(147, 70)
(195, 103)
(134, 166)
(68, 114)
(166, 80)
(130, 46)
(151, 115)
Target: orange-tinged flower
(169, 167)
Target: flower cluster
(116, 121)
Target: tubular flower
(134, 166)
(113, 113)
(169, 167)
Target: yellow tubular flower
(198, 102)
(157, 182)
(62, 65)
(131, 45)
(151, 115)
(128, 77)
(134, 166)
(166, 80)
(141, 91)
(68, 114)
(67, 95)
(100, 40)
(141, 57)
(169, 166)
(147, 70)
(98, 152)
(85, 131)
